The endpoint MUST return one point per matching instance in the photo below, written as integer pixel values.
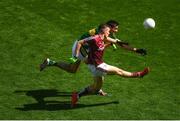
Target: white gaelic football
(149, 23)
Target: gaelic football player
(75, 61)
(96, 64)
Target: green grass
(31, 30)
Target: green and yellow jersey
(85, 48)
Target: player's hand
(73, 59)
(141, 51)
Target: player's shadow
(42, 104)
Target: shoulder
(91, 38)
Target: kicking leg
(123, 73)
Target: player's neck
(101, 36)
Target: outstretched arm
(126, 46)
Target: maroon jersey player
(96, 64)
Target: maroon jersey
(96, 49)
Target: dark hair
(112, 23)
(101, 27)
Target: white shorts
(80, 56)
(100, 70)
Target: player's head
(104, 29)
(113, 25)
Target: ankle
(136, 74)
(51, 62)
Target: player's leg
(115, 70)
(94, 88)
(69, 67)
(62, 65)
(118, 71)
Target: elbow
(79, 44)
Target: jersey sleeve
(88, 39)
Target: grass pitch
(31, 30)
